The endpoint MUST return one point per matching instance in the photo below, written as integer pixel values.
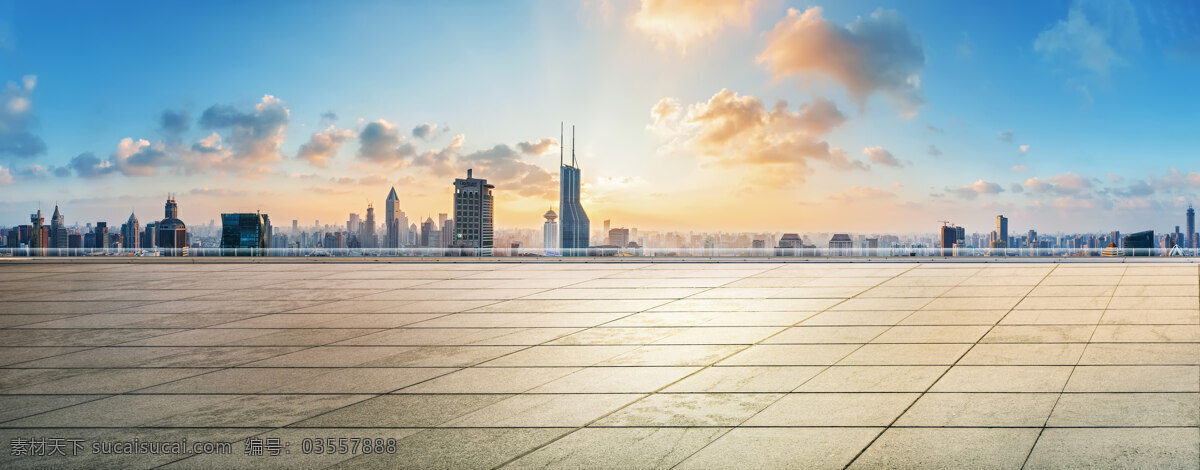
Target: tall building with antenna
(573, 220)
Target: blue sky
(1100, 92)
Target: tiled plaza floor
(606, 365)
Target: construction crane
(945, 222)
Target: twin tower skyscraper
(573, 220)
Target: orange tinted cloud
(875, 53)
(737, 129)
(680, 22)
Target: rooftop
(614, 364)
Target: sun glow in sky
(735, 115)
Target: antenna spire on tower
(560, 143)
(573, 164)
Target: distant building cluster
(469, 229)
(168, 236)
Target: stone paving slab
(585, 364)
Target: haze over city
(734, 115)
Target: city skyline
(1062, 115)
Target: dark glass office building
(572, 219)
(1139, 244)
(243, 234)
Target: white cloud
(1095, 35)
(17, 120)
(973, 190)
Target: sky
(715, 115)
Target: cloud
(502, 166)
(35, 171)
(380, 142)
(541, 146)
(734, 130)
(1023, 148)
(1136, 189)
(858, 193)
(1065, 184)
(1016, 188)
(140, 157)
(323, 145)
(1095, 35)
(87, 165)
(881, 156)
(372, 180)
(329, 116)
(217, 192)
(255, 136)
(682, 22)
(425, 131)
(1006, 136)
(442, 162)
(873, 54)
(934, 151)
(934, 129)
(174, 122)
(971, 191)
(5, 176)
(16, 120)
(664, 110)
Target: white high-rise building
(550, 232)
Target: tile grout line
(644, 396)
(1078, 360)
(890, 425)
(827, 367)
(368, 395)
(458, 369)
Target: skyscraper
(392, 219)
(131, 233)
(150, 235)
(575, 225)
(949, 236)
(58, 231)
(244, 234)
(550, 232)
(1140, 243)
(430, 234)
(36, 235)
(172, 233)
(618, 237)
(1001, 240)
(1191, 227)
(100, 235)
(368, 237)
(448, 233)
(473, 214)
